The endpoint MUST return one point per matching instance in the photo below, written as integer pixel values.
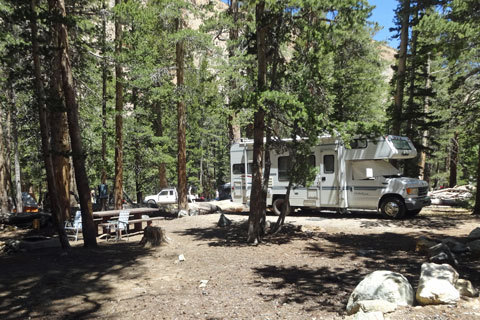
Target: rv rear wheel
(277, 206)
(393, 208)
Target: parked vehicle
(358, 177)
(29, 203)
(166, 196)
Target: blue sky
(383, 15)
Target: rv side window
(358, 144)
(284, 165)
(239, 168)
(328, 164)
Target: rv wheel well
(389, 195)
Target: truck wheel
(393, 208)
(277, 206)
(413, 213)
(152, 203)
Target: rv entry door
(328, 179)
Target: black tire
(413, 213)
(152, 203)
(393, 208)
(277, 206)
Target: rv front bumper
(417, 203)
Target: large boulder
(441, 253)
(382, 285)
(437, 284)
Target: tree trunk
(256, 195)
(452, 181)
(60, 142)
(88, 227)
(158, 126)
(44, 131)
(18, 171)
(233, 125)
(476, 210)
(104, 95)
(138, 158)
(182, 124)
(4, 210)
(118, 188)
(423, 173)
(402, 63)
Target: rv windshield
(401, 144)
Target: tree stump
(153, 236)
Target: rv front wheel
(277, 206)
(393, 208)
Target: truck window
(164, 193)
(328, 164)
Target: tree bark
(16, 154)
(452, 181)
(233, 126)
(104, 95)
(476, 209)
(182, 123)
(60, 142)
(158, 126)
(4, 210)
(88, 227)
(118, 188)
(423, 172)
(256, 196)
(402, 63)
(44, 131)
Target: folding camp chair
(120, 225)
(74, 226)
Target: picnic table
(101, 217)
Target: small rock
(475, 234)
(224, 221)
(440, 254)
(474, 247)
(182, 213)
(466, 288)
(181, 257)
(377, 315)
(423, 243)
(203, 283)
(373, 306)
(455, 246)
(193, 212)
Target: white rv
(356, 178)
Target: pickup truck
(166, 196)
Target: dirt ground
(306, 272)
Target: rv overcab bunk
(359, 177)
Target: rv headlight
(412, 191)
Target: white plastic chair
(120, 225)
(74, 226)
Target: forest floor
(306, 272)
